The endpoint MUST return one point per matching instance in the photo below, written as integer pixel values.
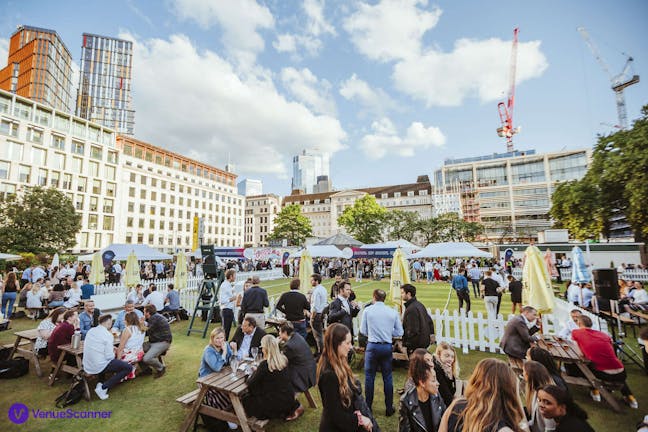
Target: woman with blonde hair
(446, 367)
(536, 376)
(34, 302)
(131, 343)
(271, 393)
(339, 389)
(490, 404)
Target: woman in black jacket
(421, 407)
(557, 404)
(271, 393)
(447, 371)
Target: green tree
(364, 220)
(292, 225)
(450, 226)
(575, 206)
(401, 224)
(39, 221)
(429, 230)
(471, 230)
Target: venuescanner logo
(19, 413)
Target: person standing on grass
(418, 328)
(519, 333)
(460, 285)
(293, 304)
(342, 310)
(318, 303)
(475, 275)
(490, 291)
(515, 288)
(254, 300)
(226, 298)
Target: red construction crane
(506, 109)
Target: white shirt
(566, 331)
(97, 350)
(318, 299)
(225, 294)
(429, 266)
(573, 294)
(156, 298)
(640, 296)
(38, 273)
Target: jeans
(300, 327)
(317, 326)
(475, 285)
(8, 300)
(151, 356)
(379, 355)
(464, 295)
(430, 276)
(491, 306)
(55, 304)
(120, 369)
(227, 316)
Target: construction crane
(619, 82)
(506, 109)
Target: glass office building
(104, 94)
(307, 167)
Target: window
(92, 221)
(112, 157)
(131, 192)
(55, 177)
(38, 156)
(108, 223)
(110, 172)
(148, 157)
(131, 207)
(58, 142)
(4, 170)
(78, 147)
(61, 122)
(96, 153)
(138, 152)
(95, 134)
(42, 177)
(67, 181)
(143, 180)
(5, 103)
(43, 117)
(77, 165)
(22, 110)
(110, 189)
(94, 203)
(35, 135)
(529, 172)
(96, 187)
(7, 191)
(78, 202)
(78, 129)
(24, 173)
(397, 194)
(143, 194)
(142, 209)
(8, 127)
(94, 169)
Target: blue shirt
(459, 282)
(85, 323)
(244, 349)
(120, 323)
(26, 274)
(381, 323)
(213, 361)
(87, 290)
(319, 299)
(174, 300)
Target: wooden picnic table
(24, 344)
(77, 353)
(234, 388)
(566, 351)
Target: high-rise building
(250, 187)
(104, 94)
(260, 214)
(307, 167)
(39, 67)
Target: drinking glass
(234, 362)
(254, 351)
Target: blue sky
(391, 88)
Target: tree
(364, 220)
(39, 221)
(429, 229)
(575, 206)
(292, 225)
(471, 230)
(401, 224)
(450, 225)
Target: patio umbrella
(536, 284)
(550, 263)
(132, 275)
(305, 269)
(580, 273)
(55, 260)
(97, 274)
(399, 274)
(180, 274)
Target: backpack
(13, 368)
(73, 395)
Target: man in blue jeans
(381, 324)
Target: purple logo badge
(18, 413)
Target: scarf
(446, 369)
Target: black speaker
(606, 283)
(210, 268)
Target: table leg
(59, 363)
(15, 347)
(240, 413)
(37, 366)
(193, 413)
(596, 383)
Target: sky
(391, 88)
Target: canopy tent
(9, 257)
(340, 240)
(121, 251)
(406, 246)
(450, 249)
(317, 251)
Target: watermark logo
(18, 413)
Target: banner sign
(225, 253)
(373, 253)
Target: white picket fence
(275, 273)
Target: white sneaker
(232, 426)
(101, 392)
(596, 396)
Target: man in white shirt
(155, 298)
(429, 271)
(226, 298)
(99, 356)
(571, 325)
(38, 273)
(573, 293)
(318, 302)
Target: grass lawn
(145, 404)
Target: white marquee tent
(400, 243)
(9, 257)
(142, 252)
(450, 249)
(320, 251)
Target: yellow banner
(195, 239)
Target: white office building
(250, 187)
(260, 213)
(307, 167)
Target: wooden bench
(25, 345)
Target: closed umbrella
(399, 274)
(55, 260)
(97, 274)
(180, 274)
(132, 275)
(580, 272)
(536, 284)
(550, 263)
(305, 269)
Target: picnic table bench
(24, 344)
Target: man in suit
(518, 333)
(342, 310)
(246, 337)
(301, 364)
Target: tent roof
(9, 257)
(340, 239)
(320, 251)
(450, 249)
(142, 252)
(400, 243)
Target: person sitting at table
(421, 407)
(544, 357)
(120, 321)
(570, 325)
(62, 335)
(56, 296)
(46, 287)
(446, 367)
(45, 329)
(160, 338)
(171, 300)
(301, 364)
(155, 298)
(131, 342)
(597, 347)
(536, 377)
(34, 302)
(518, 333)
(73, 296)
(247, 336)
(99, 357)
(556, 404)
(271, 394)
(135, 295)
(88, 318)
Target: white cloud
(376, 101)
(385, 139)
(307, 88)
(285, 43)
(240, 21)
(194, 102)
(309, 36)
(391, 29)
(474, 68)
(4, 52)
(317, 23)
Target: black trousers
(227, 316)
(464, 295)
